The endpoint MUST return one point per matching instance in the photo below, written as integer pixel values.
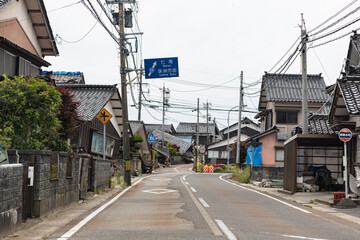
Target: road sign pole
(345, 171)
(345, 136)
(104, 142)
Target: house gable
(25, 23)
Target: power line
(335, 31)
(339, 12)
(214, 86)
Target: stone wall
(273, 173)
(100, 174)
(11, 179)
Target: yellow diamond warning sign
(104, 116)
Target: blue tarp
(253, 154)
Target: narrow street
(178, 204)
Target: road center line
(203, 202)
(301, 237)
(209, 221)
(226, 230)
(193, 189)
(77, 227)
(263, 194)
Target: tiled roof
(92, 98)
(67, 77)
(287, 87)
(184, 145)
(350, 89)
(319, 124)
(135, 125)
(169, 128)
(184, 127)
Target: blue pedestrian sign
(151, 138)
(161, 67)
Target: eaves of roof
(262, 134)
(41, 23)
(19, 51)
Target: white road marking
(187, 183)
(301, 237)
(209, 221)
(203, 202)
(159, 191)
(160, 179)
(193, 189)
(184, 177)
(77, 227)
(263, 194)
(226, 230)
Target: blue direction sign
(151, 138)
(161, 67)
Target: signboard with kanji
(345, 134)
(161, 67)
(104, 116)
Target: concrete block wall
(273, 173)
(51, 194)
(11, 179)
(100, 172)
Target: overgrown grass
(241, 175)
(117, 179)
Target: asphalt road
(178, 204)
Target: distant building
(217, 152)
(280, 112)
(187, 130)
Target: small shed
(303, 151)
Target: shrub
(242, 175)
(218, 169)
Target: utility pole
(207, 122)
(197, 134)
(140, 92)
(126, 140)
(163, 116)
(239, 124)
(304, 77)
(207, 127)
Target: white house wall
(18, 10)
(113, 120)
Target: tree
(29, 110)
(68, 115)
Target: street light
(228, 137)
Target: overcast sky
(213, 40)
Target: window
(279, 155)
(286, 117)
(223, 154)
(97, 144)
(213, 154)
